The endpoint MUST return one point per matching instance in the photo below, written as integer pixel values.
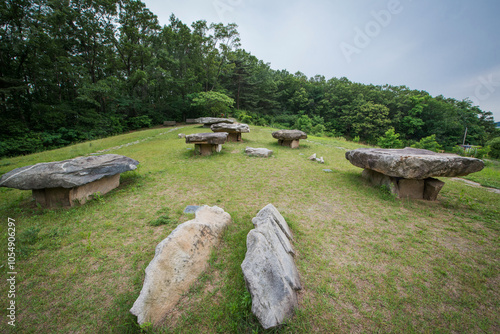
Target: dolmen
(64, 183)
(208, 121)
(269, 270)
(207, 143)
(289, 138)
(178, 262)
(410, 172)
(234, 130)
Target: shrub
(390, 140)
(139, 122)
(428, 143)
(494, 147)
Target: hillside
(368, 262)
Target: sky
(444, 47)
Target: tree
(217, 104)
(390, 140)
(428, 143)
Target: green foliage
(494, 146)
(428, 143)
(96, 68)
(217, 104)
(303, 123)
(139, 122)
(390, 140)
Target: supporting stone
(379, 179)
(411, 188)
(427, 189)
(67, 197)
(206, 149)
(289, 143)
(432, 188)
(234, 137)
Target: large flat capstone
(207, 138)
(207, 121)
(234, 130)
(413, 163)
(68, 173)
(178, 262)
(269, 269)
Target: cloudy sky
(445, 47)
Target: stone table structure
(234, 130)
(289, 138)
(208, 121)
(409, 172)
(63, 183)
(207, 143)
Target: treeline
(75, 70)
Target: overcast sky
(445, 47)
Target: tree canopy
(76, 70)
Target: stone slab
(258, 152)
(269, 269)
(68, 173)
(178, 262)
(412, 163)
(432, 188)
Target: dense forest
(75, 70)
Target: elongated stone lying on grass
(269, 269)
(258, 152)
(62, 183)
(178, 262)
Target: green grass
(368, 262)
(489, 176)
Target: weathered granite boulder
(413, 163)
(207, 143)
(269, 269)
(258, 152)
(178, 262)
(181, 135)
(207, 138)
(234, 130)
(62, 183)
(289, 137)
(409, 172)
(208, 121)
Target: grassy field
(368, 262)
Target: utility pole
(465, 135)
